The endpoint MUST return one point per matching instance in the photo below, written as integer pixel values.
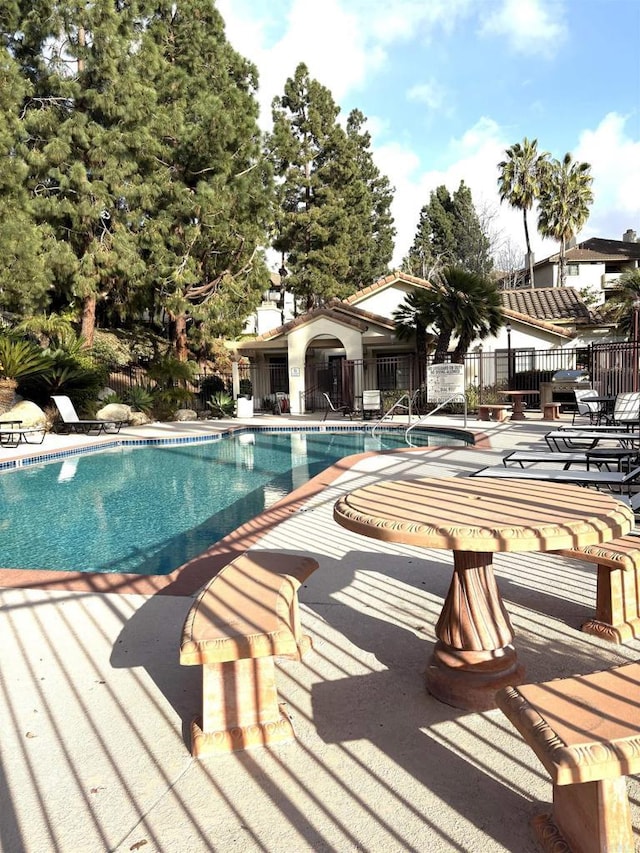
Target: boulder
(139, 419)
(114, 412)
(185, 415)
(105, 392)
(27, 412)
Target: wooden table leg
(473, 657)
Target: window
(573, 269)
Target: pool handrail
(454, 397)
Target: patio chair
(626, 410)
(72, 423)
(343, 409)
(371, 403)
(585, 407)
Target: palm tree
(519, 182)
(413, 317)
(460, 303)
(624, 302)
(19, 359)
(565, 196)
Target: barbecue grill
(578, 376)
(563, 384)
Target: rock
(105, 392)
(185, 415)
(114, 412)
(139, 419)
(27, 412)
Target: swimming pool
(148, 510)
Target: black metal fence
(612, 368)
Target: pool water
(149, 510)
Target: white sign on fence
(444, 381)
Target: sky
(448, 85)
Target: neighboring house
(563, 307)
(299, 355)
(595, 264)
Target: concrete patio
(95, 707)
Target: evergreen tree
(84, 144)
(376, 232)
(310, 154)
(24, 277)
(208, 191)
(333, 224)
(449, 233)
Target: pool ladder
(404, 404)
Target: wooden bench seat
(496, 412)
(617, 616)
(244, 617)
(586, 732)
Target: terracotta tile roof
(381, 283)
(337, 310)
(552, 303)
(538, 324)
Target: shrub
(222, 405)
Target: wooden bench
(499, 412)
(617, 616)
(586, 732)
(245, 616)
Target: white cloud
(530, 26)
(334, 45)
(615, 166)
(345, 43)
(473, 159)
(342, 42)
(431, 94)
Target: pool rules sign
(444, 381)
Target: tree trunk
(528, 242)
(442, 347)
(88, 327)
(7, 393)
(179, 323)
(563, 262)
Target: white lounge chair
(371, 403)
(72, 423)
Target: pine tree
(449, 233)
(24, 276)
(310, 155)
(208, 190)
(333, 224)
(81, 117)
(371, 259)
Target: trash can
(244, 406)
